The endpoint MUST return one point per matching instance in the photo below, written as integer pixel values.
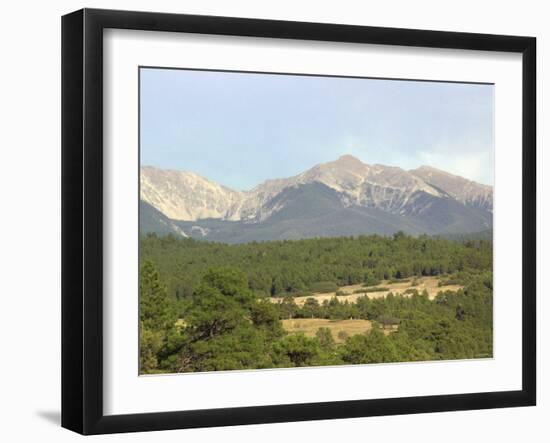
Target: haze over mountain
(342, 197)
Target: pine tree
(156, 308)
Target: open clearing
(309, 326)
(430, 284)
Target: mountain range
(342, 197)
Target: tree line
(299, 267)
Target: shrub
(342, 335)
(376, 289)
(323, 286)
(370, 279)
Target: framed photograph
(269, 221)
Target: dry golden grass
(430, 284)
(309, 326)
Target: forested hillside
(207, 306)
(296, 267)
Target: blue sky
(240, 129)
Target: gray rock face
(374, 198)
(185, 195)
(465, 191)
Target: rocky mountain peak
(348, 161)
(187, 196)
(466, 191)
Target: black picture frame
(82, 219)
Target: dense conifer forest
(209, 306)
